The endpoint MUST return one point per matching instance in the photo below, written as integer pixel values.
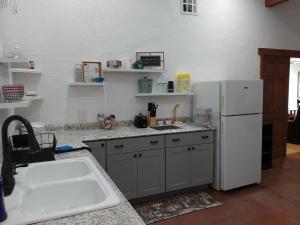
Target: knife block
(152, 121)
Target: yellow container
(183, 82)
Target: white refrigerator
(237, 116)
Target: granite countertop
(75, 137)
(122, 214)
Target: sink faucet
(8, 169)
(175, 119)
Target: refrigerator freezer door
(241, 149)
(241, 97)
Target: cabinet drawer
(191, 138)
(120, 146)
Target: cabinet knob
(102, 145)
(193, 148)
(134, 156)
(189, 149)
(140, 155)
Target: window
(189, 7)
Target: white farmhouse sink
(46, 172)
(50, 190)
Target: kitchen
(208, 47)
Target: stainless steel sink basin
(166, 127)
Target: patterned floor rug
(166, 208)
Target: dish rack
(22, 154)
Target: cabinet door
(201, 164)
(99, 152)
(178, 168)
(123, 171)
(151, 172)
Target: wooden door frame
(279, 52)
(276, 52)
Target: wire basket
(22, 153)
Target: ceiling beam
(270, 3)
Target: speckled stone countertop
(122, 214)
(75, 137)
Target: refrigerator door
(241, 149)
(241, 97)
(207, 95)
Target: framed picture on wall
(91, 70)
(152, 60)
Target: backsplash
(95, 125)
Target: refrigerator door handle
(222, 103)
(222, 128)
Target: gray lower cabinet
(189, 166)
(98, 151)
(145, 166)
(201, 164)
(123, 171)
(177, 168)
(138, 174)
(151, 172)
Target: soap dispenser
(3, 214)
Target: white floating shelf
(86, 84)
(12, 60)
(20, 104)
(163, 94)
(28, 71)
(154, 71)
(12, 105)
(32, 98)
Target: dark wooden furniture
(266, 162)
(275, 67)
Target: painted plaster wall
(220, 43)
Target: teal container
(145, 85)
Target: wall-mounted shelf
(20, 104)
(28, 71)
(164, 94)
(108, 70)
(12, 60)
(86, 84)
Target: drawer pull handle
(204, 137)
(176, 139)
(153, 142)
(119, 146)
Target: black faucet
(8, 169)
